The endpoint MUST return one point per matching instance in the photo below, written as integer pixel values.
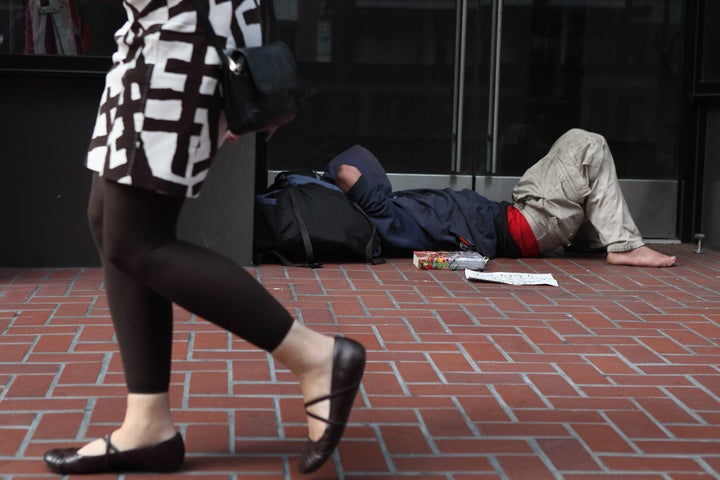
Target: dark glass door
(612, 67)
(469, 93)
(380, 73)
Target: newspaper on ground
(512, 278)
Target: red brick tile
(609, 365)
(11, 440)
(452, 362)
(542, 336)
(444, 464)
(446, 423)
(553, 385)
(516, 367)
(13, 353)
(63, 425)
(513, 344)
(29, 386)
(32, 317)
(567, 454)
(455, 316)
(97, 333)
(652, 464)
(80, 373)
(593, 403)
(22, 467)
(485, 352)
(623, 391)
(521, 467)
(556, 415)
(106, 389)
(361, 456)
(602, 439)
(695, 398)
(636, 425)
(203, 438)
(390, 333)
(665, 346)
(619, 476)
(519, 396)
(709, 382)
(415, 372)
(486, 446)
(680, 447)
(256, 423)
(423, 326)
(405, 439)
(521, 430)
(654, 380)
(582, 374)
(53, 344)
(460, 390)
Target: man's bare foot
(641, 257)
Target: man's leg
(608, 213)
(575, 184)
(551, 198)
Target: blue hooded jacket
(419, 219)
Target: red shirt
(520, 231)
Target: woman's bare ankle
(148, 421)
(309, 355)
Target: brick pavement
(613, 374)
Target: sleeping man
(571, 197)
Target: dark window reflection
(383, 76)
(711, 42)
(609, 67)
(60, 27)
(380, 74)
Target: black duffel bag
(303, 220)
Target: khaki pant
(572, 197)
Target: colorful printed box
(430, 260)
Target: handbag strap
(268, 26)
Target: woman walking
(159, 125)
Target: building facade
(458, 93)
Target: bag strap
(268, 26)
(295, 201)
(284, 260)
(369, 247)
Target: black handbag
(259, 84)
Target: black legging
(147, 268)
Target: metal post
(458, 100)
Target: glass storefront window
(59, 27)
(612, 67)
(710, 67)
(379, 73)
(382, 73)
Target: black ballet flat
(165, 456)
(347, 371)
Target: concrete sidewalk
(613, 374)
